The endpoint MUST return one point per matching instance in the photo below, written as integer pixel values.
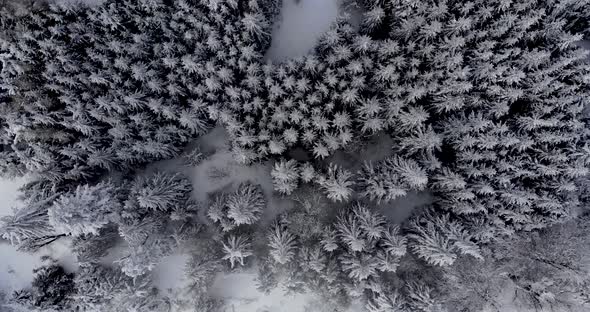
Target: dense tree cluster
(482, 102)
(502, 86)
(488, 116)
(241, 207)
(151, 216)
(125, 83)
(485, 98)
(549, 271)
(51, 290)
(340, 259)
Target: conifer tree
(29, 226)
(245, 205)
(337, 183)
(85, 211)
(282, 244)
(161, 191)
(235, 249)
(285, 176)
(438, 239)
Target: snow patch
(16, 268)
(220, 171)
(240, 294)
(585, 44)
(300, 25)
(9, 194)
(170, 273)
(400, 209)
(61, 251)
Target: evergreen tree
(337, 183)
(386, 303)
(161, 191)
(392, 178)
(285, 176)
(100, 288)
(245, 205)
(143, 258)
(282, 244)
(438, 239)
(235, 249)
(90, 248)
(85, 211)
(51, 290)
(29, 225)
(241, 207)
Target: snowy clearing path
(299, 26)
(220, 171)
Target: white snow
(16, 268)
(400, 209)
(9, 194)
(240, 294)
(170, 273)
(221, 170)
(586, 45)
(300, 25)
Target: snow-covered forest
(294, 155)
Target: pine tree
(282, 244)
(337, 183)
(421, 298)
(547, 268)
(29, 225)
(102, 288)
(161, 191)
(144, 257)
(350, 232)
(85, 211)
(51, 290)
(245, 205)
(235, 249)
(438, 239)
(285, 176)
(393, 302)
(90, 248)
(359, 267)
(203, 264)
(391, 178)
(372, 224)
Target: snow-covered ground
(300, 24)
(9, 194)
(586, 45)
(16, 268)
(221, 171)
(240, 294)
(170, 274)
